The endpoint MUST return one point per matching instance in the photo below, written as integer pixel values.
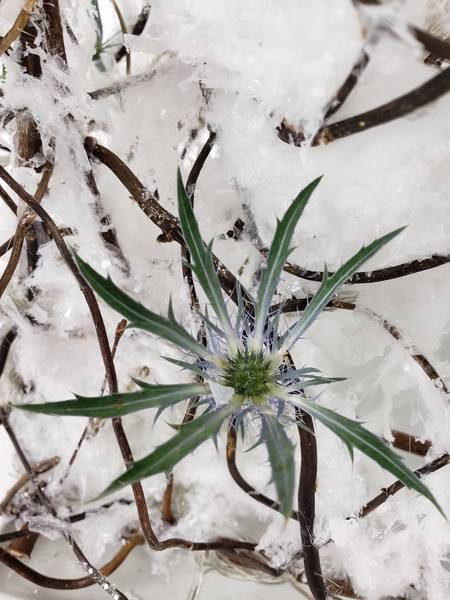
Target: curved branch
(153, 210)
(400, 107)
(386, 493)
(69, 584)
(243, 483)
(375, 276)
(19, 25)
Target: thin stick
(22, 226)
(38, 468)
(153, 210)
(54, 30)
(120, 86)
(386, 493)
(307, 504)
(19, 25)
(243, 483)
(348, 86)
(400, 107)
(124, 31)
(8, 200)
(72, 584)
(138, 28)
(375, 276)
(47, 504)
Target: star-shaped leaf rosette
(244, 370)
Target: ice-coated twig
(19, 25)
(386, 493)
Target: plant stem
(307, 505)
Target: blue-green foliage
(244, 368)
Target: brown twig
(38, 468)
(386, 493)
(153, 210)
(47, 504)
(124, 29)
(5, 347)
(375, 276)
(8, 200)
(130, 81)
(138, 28)
(13, 261)
(400, 107)
(420, 359)
(21, 229)
(243, 483)
(19, 25)
(109, 236)
(54, 30)
(71, 584)
(307, 503)
(409, 443)
(347, 87)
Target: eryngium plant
(244, 373)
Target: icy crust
(263, 61)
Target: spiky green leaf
(201, 259)
(280, 450)
(118, 405)
(299, 385)
(278, 255)
(138, 316)
(194, 367)
(165, 457)
(354, 435)
(305, 372)
(331, 284)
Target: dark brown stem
(198, 165)
(307, 505)
(434, 45)
(153, 210)
(386, 493)
(8, 200)
(54, 30)
(138, 28)
(167, 513)
(70, 584)
(347, 87)
(375, 276)
(13, 261)
(409, 443)
(5, 347)
(39, 468)
(400, 107)
(420, 359)
(243, 483)
(46, 502)
(109, 236)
